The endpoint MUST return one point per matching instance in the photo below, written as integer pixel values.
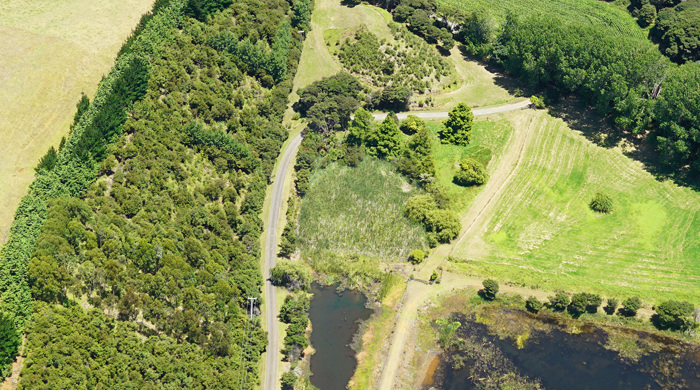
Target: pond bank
(335, 318)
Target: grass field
(488, 139)
(50, 52)
(593, 12)
(543, 234)
(358, 211)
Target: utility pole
(251, 300)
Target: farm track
(416, 293)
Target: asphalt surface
(444, 114)
(273, 345)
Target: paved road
(477, 111)
(273, 346)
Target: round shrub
(630, 306)
(533, 305)
(537, 102)
(416, 256)
(559, 302)
(602, 203)
(471, 173)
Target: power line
(251, 300)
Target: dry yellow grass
(50, 52)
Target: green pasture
(542, 233)
(488, 140)
(591, 12)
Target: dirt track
(416, 293)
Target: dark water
(335, 319)
(580, 362)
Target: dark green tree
(490, 289)
(630, 306)
(533, 305)
(457, 128)
(674, 315)
(289, 379)
(9, 340)
(384, 140)
(602, 203)
(360, 127)
(647, 15)
(559, 302)
(611, 306)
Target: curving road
(273, 345)
(477, 111)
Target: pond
(560, 360)
(335, 319)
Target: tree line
(669, 315)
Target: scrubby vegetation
(163, 247)
(358, 211)
(396, 68)
(294, 312)
(471, 173)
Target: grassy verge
(543, 234)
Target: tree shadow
(511, 84)
(584, 119)
(639, 147)
(350, 3)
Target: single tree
(471, 173)
(384, 140)
(490, 289)
(647, 15)
(630, 306)
(674, 315)
(457, 128)
(289, 379)
(411, 125)
(602, 203)
(416, 256)
(559, 302)
(533, 305)
(611, 306)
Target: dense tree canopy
(328, 103)
(161, 251)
